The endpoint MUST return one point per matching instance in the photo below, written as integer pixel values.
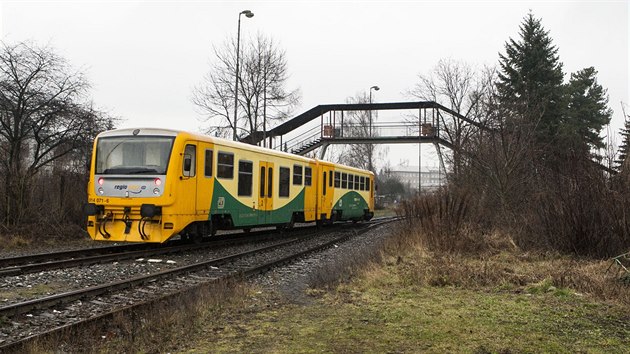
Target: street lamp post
(247, 14)
(375, 88)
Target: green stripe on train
(351, 205)
(245, 215)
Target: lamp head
(376, 88)
(247, 13)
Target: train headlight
(158, 182)
(100, 190)
(156, 191)
(101, 180)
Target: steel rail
(46, 257)
(38, 257)
(51, 261)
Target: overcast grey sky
(144, 57)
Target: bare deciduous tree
(357, 124)
(457, 86)
(263, 98)
(43, 117)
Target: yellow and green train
(147, 185)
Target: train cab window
(337, 179)
(362, 183)
(245, 169)
(350, 182)
(344, 180)
(283, 189)
(189, 161)
(225, 165)
(297, 175)
(307, 176)
(208, 163)
(356, 182)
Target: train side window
(307, 176)
(330, 179)
(324, 183)
(344, 180)
(350, 181)
(297, 175)
(362, 183)
(262, 181)
(189, 161)
(356, 182)
(225, 165)
(208, 163)
(245, 172)
(283, 189)
(337, 179)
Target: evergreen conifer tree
(530, 79)
(624, 148)
(587, 109)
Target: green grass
(382, 312)
(384, 213)
(27, 292)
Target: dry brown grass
(447, 243)
(497, 263)
(34, 237)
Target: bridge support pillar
(323, 151)
(439, 152)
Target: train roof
(215, 140)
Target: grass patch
(413, 300)
(31, 291)
(36, 237)
(382, 312)
(385, 212)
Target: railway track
(49, 261)
(246, 263)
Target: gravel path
(292, 281)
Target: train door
(326, 192)
(205, 178)
(265, 192)
(187, 196)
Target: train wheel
(286, 226)
(333, 218)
